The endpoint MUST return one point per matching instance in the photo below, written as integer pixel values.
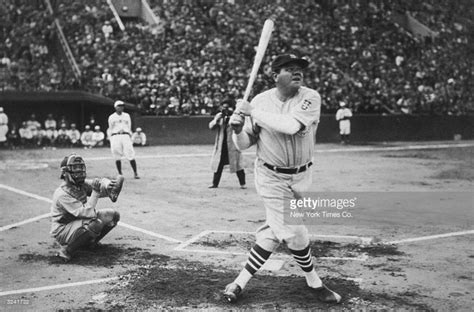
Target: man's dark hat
(285, 59)
(229, 101)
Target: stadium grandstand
(185, 57)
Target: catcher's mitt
(114, 188)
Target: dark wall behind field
(194, 130)
(78, 106)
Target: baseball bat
(261, 48)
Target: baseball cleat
(63, 254)
(326, 295)
(243, 186)
(212, 186)
(231, 292)
(136, 176)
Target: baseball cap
(118, 103)
(139, 129)
(97, 127)
(285, 59)
(1, 109)
(342, 104)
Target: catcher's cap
(285, 59)
(119, 103)
(71, 159)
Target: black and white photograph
(233, 155)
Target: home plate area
(327, 247)
(179, 282)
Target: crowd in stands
(53, 134)
(201, 52)
(27, 52)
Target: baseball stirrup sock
(133, 163)
(305, 261)
(303, 258)
(256, 259)
(118, 163)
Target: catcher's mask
(73, 169)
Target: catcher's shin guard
(108, 227)
(104, 232)
(81, 237)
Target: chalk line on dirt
(58, 286)
(47, 215)
(131, 227)
(24, 193)
(423, 238)
(14, 225)
(191, 240)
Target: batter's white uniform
(120, 132)
(285, 151)
(344, 124)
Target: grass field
(407, 245)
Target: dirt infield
(178, 244)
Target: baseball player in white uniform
(343, 115)
(120, 127)
(98, 137)
(86, 137)
(3, 127)
(283, 125)
(139, 137)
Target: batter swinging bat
(262, 47)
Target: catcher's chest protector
(78, 193)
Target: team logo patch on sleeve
(306, 104)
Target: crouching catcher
(75, 221)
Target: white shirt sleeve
(309, 110)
